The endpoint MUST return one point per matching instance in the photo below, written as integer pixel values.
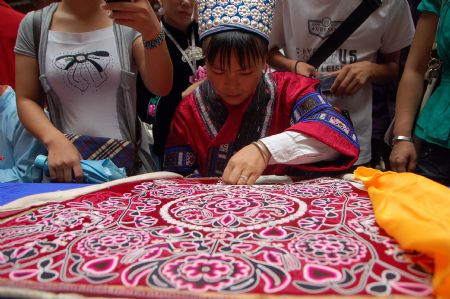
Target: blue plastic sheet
(94, 171)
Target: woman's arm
(155, 65)
(281, 63)
(403, 156)
(63, 157)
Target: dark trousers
(434, 163)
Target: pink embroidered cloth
(185, 238)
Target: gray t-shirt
(126, 92)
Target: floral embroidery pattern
(160, 238)
(206, 272)
(328, 249)
(235, 210)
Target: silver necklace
(191, 54)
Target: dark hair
(247, 47)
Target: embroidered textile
(180, 238)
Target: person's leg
(434, 163)
(380, 155)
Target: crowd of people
(220, 88)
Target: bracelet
(295, 66)
(153, 43)
(402, 138)
(262, 149)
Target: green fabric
(433, 6)
(433, 124)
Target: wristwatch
(402, 138)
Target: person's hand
(137, 14)
(403, 157)
(191, 88)
(64, 160)
(245, 167)
(302, 68)
(351, 78)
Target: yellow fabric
(415, 211)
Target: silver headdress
(247, 15)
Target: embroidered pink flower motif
(234, 205)
(328, 249)
(191, 215)
(309, 191)
(206, 272)
(110, 243)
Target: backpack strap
(37, 24)
(124, 39)
(338, 37)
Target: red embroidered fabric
(163, 238)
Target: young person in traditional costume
(242, 122)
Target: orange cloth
(415, 211)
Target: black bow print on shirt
(84, 70)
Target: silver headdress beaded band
(246, 15)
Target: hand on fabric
(245, 167)
(137, 14)
(351, 78)
(64, 161)
(191, 88)
(403, 157)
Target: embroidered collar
(214, 114)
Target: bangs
(247, 47)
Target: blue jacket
(18, 148)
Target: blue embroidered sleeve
(179, 159)
(313, 108)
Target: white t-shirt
(84, 71)
(301, 26)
